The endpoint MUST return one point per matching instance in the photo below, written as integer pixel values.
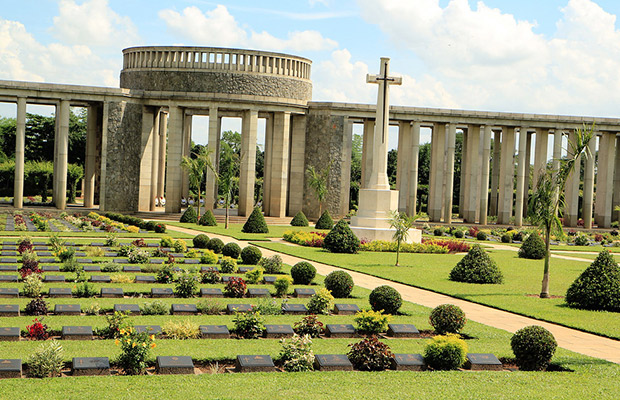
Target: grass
(234, 230)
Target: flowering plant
(135, 348)
(38, 330)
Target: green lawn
(234, 230)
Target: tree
(318, 182)
(196, 167)
(401, 222)
(356, 171)
(229, 163)
(546, 200)
(75, 172)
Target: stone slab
(332, 362)
(403, 331)
(121, 260)
(60, 292)
(278, 331)
(131, 268)
(243, 270)
(92, 268)
(50, 268)
(256, 292)
(145, 279)
(150, 329)
(11, 268)
(294, 309)
(183, 309)
(111, 292)
(340, 330)
(9, 334)
(100, 278)
(483, 362)
(346, 309)
(241, 308)
(50, 260)
(270, 280)
(162, 292)
(169, 365)
(9, 310)
(90, 366)
(54, 278)
(133, 309)
(77, 333)
(303, 293)
(214, 331)
(6, 293)
(211, 292)
(256, 363)
(8, 260)
(67, 309)
(10, 368)
(9, 278)
(85, 260)
(205, 269)
(408, 362)
(191, 261)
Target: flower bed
(309, 239)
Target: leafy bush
(110, 267)
(598, 287)
(303, 273)
(481, 236)
(251, 255)
(47, 361)
(166, 241)
(71, 265)
(200, 241)
(438, 232)
(124, 250)
(297, 355)
(33, 285)
(325, 221)
(339, 283)
(281, 285)
(300, 219)
(181, 330)
(308, 239)
(215, 245)
(447, 318)
(228, 265)
(93, 309)
(385, 298)
(235, 287)
(582, 240)
(272, 265)
(207, 219)
(268, 307)
(476, 267)
(155, 307)
(36, 306)
(208, 257)
(533, 247)
(321, 302)
(309, 325)
(445, 352)
(231, 250)
(370, 354)
(249, 325)
(186, 286)
(255, 223)
(179, 246)
(116, 321)
(341, 239)
(533, 347)
(255, 275)
(506, 238)
(189, 216)
(165, 274)
(209, 307)
(459, 234)
(37, 331)
(372, 322)
(135, 349)
(138, 256)
(85, 289)
(211, 275)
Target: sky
(530, 56)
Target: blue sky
(551, 56)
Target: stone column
(213, 145)
(521, 166)
(146, 159)
(497, 147)
(436, 172)
(616, 195)
(484, 175)
(404, 164)
(91, 155)
(605, 179)
(247, 175)
(187, 139)
(588, 187)
(297, 174)
(174, 174)
(571, 192)
(105, 113)
(412, 203)
(528, 159)
(449, 174)
(163, 138)
(557, 153)
(20, 145)
(367, 151)
(506, 177)
(62, 154)
(472, 164)
(464, 168)
(155, 161)
(540, 155)
(279, 172)
(267, 165)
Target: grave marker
(145, 279)
(77, 333)
(131, 268)
(60, 292)
(294, 309)
(403, 331)
(9, 310)
(211, 292)
(340, 330)
(90, 366)
(303, 293)
(168, 365)
(258, 363)
(8, 278)
(408, 362)
(67, 309)
(111, 292)
(100, 278)
(10, 368)
(240, 308)
(332, 362)
(183, 309)
(133, 309)
(278, 331)
(9, 334)
(346, 309)
(161, 292)
(254, 292)
(214, 332)
(150, 329)
(483, 362)
(6, 293)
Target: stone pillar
(279, 164)
(20, 145)
(146, 159)
(436, 172)
(105, 113)
(521, 166)
(297, 174)
(404, 164)
(588, 187)
(213, 145)
(367, 151)
(247, 175)
(412, 202)
(557, 153)
(528, 159)
(497, 147)
(187, 142)
(155, 161)
(163, 138)
(506, 176)
(464, 168)
(540, 155)
(267, 164)
(449, 174)
(174, 174)
(91, 155)
(571, 192)
(484, 175)
(472, 163)
(62, 154)
(605, 179)
(616, 195)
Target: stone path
(571, 339)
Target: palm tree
(196, 168)
(401, 222)
(229, 163)
(318, 182)
(546, 201)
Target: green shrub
(255, 223)
(303, 273)
(267, 306)
(582, 240)
(321, 302)
(111, 267)
(255, 275)
(47, 361)
(481, 236)
(211, 275)
(70, 265)
(156, 307)
(116, 321)
(181, 330)
(189, 216)
(506, 238)
(200, 241)
(447, 352)
(339, 283)
(36, 306)
(231, 250)
(251, 255)
(309, 325)
(166, 241)
(533, 247)
(447, 318)
(533, 347)
(272, 265)
(249, 325)
(371, 322)
(459, 234)
(138, 256)
(85, 289)
(297, 355)
(370, 354)
(476, 267)
(207, 219)
(598, 287)
(228, 265)
(186, 286)
(208, 257)
(135, 349)
(300, 219)
(215, 245)
(281, 285)
(165, 274)
(33, 285)
(385, 298)
(438, 232)
(341, 239)
(235, 287)
(179, 246)
(209, 307)
(325, 221)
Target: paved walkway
(571, 339)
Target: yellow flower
(143, 344)
(153, 345)
(152, 337)
(122, 331)
(116, 342)
(133, 344)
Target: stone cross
(378, 173)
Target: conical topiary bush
(255, 223)
(208, 219)
(300, 219)
(533, 247)
(341, 239)
(189, 215)
(325, 221)
(476, 267)
(598, 287)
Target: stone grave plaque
(85, 260)
(258, 363)
(254, 292)
(111, 292)
(6, 260)
(346, 309)
(50, 268)
(6, 293)
(205, 269)
(9, 334)
(152, 245)
(9, 242)
(243, 270)
(177, 255)
(97, 244)
(83, 366)
(145, 279)
(294, 309)
(408, 362)
(177, 269)
(39, 243)
(45, 253)
(270, 280)
(80, 254)
(214, 332)
(162, 292)
(9, 253)
(156, 261)
(5, 267)
(39, 248)
(10, 368)
(131, 268)
(133, 309)
(241, 308)
(403, 331)
(110, 254)
(9, 310)
(60, 292)
(121, 260)
(92, 268)
(8, 278)
(211, 292)
(226, 278)
(278, 331)
(191, 261)
(47, 260)
(183, 309)
(77, 333)
(302, 293)
(150, 329)
(340, 330)
(332, 362)
(168, 365)
(483, 362)
(100, 278)
(67, 309)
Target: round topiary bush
(445, 352)
(207, 219)
(255, 223)
(506, 238)
(325, 221)
(438, 232)
(232, 250)
(481, 236)
(447, 318)
(533, 248)
(189, 215)
(303, 273)
(251, 255)
(341, 239)
(228, 265)
(339, 283)
(582, 240)
(598, 287)
(385, 298)
(533, 347)
(201, 241)
(476, 267)
(459, 234)
(215, 245)
(300, 219)
(518, 236)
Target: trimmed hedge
(325, 221)
(476, 267)
(251, 255)
(200, 241)
(232, 250)
(300, 219)
(158, 227)
(255, 223)
(189, 216)
(447, 318)
(598, 287)
(533, 347)
(339, 283)
(385, 298)
(303, 273)
(207, 219)
(341, 239)
(533, 248)
(215, 245)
